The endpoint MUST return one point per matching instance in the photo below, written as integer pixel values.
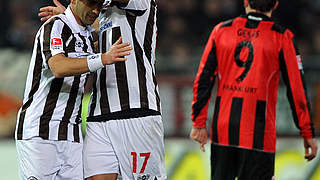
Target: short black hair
(262, 5)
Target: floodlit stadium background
(184, 26)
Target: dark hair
(262, 5)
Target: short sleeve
(51, 37)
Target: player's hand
(200, 135)
(116, 53)
(49, 11)
(310, 144)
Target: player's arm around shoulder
(49, 11)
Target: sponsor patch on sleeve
(299, 60)
(56, 44)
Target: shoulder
(279, 28)
(227, 23)
(58, 23)
(222, 25)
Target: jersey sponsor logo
(56, 43)
(79, 44)
(143, 177)
(106, 26)
(299, 60)
(236, 88)
(32, 178)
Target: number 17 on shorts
(142, 158)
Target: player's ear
(275, 6)
(246, 3)
(73, 1)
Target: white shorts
(132, 148)
(49, 160)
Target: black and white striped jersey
(52, 106)
(130, 84)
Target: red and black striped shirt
(247, 55)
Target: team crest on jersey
(32, 178)
(56, 43)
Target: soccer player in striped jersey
(124, 126)
(247, 54)
(48, 134)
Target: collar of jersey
(77, 28)
(258, 16)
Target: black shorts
(231, 162)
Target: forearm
(62, 66)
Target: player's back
(247, 53)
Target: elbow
(56, 68)
(58, 74)
(56, 71)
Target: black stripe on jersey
(132, 12)
(104, 102)
(65, 35)
(206, 82)
(46, 40)
(252, 24)
(215, 120)
(92, 44)
(76, 132)
(259, 125)
(295, 46)
(278, 28)
(94, 94)
(284, 72)
(63, 126)
(121, 74)
(78, 118)
(227, 23)
(234, 121)
(124, 114)
(147, 45)
(104, 43)
(85, 46)
(307, 98)
(140, 63)
(36, 76)
(156, 91)
(303, 83)
(71, 46)
(49, 107)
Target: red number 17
(134, 162)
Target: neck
(76, 17)
(250, 10)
